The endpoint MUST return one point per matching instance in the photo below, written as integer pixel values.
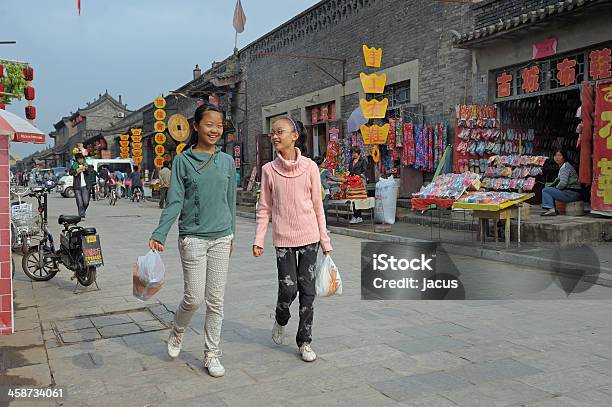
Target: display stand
(345, 207)
(496, 212)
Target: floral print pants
(296, 274)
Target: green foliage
(13, 80)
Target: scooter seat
(88, 231)
(68, 219)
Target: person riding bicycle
(136, 179)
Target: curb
(605, 276)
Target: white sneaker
(277, 333)
(353, 221)
(359, 220)
(174, 343)
(214, 366)
(308, 355)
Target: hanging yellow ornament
(375, 153)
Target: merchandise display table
(501, 211)
(345, 207)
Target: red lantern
(28, 73)
(30, 112)
(29, 93)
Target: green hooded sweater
(203, 194)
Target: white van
(118, 164)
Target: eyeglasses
(279, 132)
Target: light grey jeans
(205, 265)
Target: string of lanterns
(160, 128)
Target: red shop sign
(601, 191)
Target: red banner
(601, 191)
(544, 49)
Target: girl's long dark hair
(197, 116)
(301, 131)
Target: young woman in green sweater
(203, 191)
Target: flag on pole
(79, 6)
(239, 18)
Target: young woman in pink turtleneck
(291, 195)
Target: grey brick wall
(490, 12)
(405, 29)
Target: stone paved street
(108, 349)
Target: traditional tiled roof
(523, 20)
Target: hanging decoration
(178, 126)
(136, 145)
(160, 128)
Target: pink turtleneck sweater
(291, 194)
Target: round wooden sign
(160, 127)
(159, 149)
(159, 102)
(160, 138)
(178, 126)
(159, 162)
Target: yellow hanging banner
(136, 132)
(373, 83)
(180, 148)
(124, 143)
(375, 134)
(159, 162)
(372, 56)
(374, 109)
(124, 137)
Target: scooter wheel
(32, 266)
(88, 277)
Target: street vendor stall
(495, 206)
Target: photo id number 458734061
(25, 393)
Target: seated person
(565, 188)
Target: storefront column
(6, 282)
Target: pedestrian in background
(103, 176)
(291, 195)
(202, 190)
(136, 181)
(357, 166)
(92, 181)
(164, 184)
(80, 174)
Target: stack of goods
(335, 158)
(335, 187)
(513, 172)
(477, 137)
(449, 186)
(355, 188)
(490, 197)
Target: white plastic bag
(386, 200)
(328, 281)
(148, 275)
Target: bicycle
(24, 221)
(137, 195)
(112, 196)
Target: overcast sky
(135, 48)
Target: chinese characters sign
(601, 191)
(374, 134)
(373, 83)
(564, 72)
(531, 79)
(373, 56)
(600, 64)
